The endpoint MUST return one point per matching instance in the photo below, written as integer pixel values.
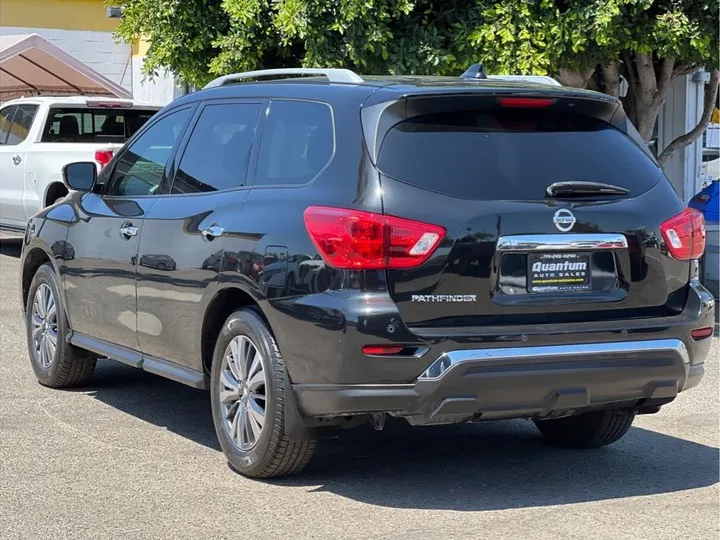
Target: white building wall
(161, 89)
(96, 49)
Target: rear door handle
(212, 232)
(17, 160)
(128, 230)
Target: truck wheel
(56, 363)
(248, 400)
(587, 430)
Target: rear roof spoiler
(477, 71)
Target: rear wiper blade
(577, 188)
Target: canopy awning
(31, 65)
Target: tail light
(103, 157)
(352, 239)
(684, 235)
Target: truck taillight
(684, 235)
(357, 240)
(103, 157)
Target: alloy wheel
(44, 326)
(242, 392)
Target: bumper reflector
(701, 333)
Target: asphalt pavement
(135, 456)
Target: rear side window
(22, 120)
(217, 154)
(6, 116)
(93, 125)
(298, 141)
(511, 154)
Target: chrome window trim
(561, 242)
(445, 362)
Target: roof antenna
(476, 71)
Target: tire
(64, 365)
(587, 430)
(270, 453)
(290, 285)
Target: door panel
(181, 250)
(100, 280)
(176, 264)
(12, 164)
(100, 276)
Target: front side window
(218, 151)
(22, 121)
(298, 142)
(140, 169)
(6, 116)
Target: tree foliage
(582, 42)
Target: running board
(8, 232)
(135, 359)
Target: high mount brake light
(684, 235)
(525, 103)
(108, 104)
(358, 240)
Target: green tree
(585, 43)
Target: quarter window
(298, 141)
(141, 168)
(218, 151)
(93, 125)
(6, 116)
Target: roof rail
(334, 75)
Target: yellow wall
(60, 14)
(140, 47)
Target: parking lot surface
(135, 456)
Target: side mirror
(80, 176)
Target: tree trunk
(611, 78)
(711, 91)
(648, 81)
(643, 94)
(575, 79)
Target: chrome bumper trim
(450, 359)
(561, 242)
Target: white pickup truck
(39, 135)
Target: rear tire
(587, 430)
(243, 396)
(56, 363)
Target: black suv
(321, 250)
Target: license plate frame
(558, 272)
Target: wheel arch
(34, 256)
(226, 300)
(52, 191)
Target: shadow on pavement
(478, 467)
(11, 248)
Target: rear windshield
(93, 125)
(511, 154)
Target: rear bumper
(486, 384)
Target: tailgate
(514, 254)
